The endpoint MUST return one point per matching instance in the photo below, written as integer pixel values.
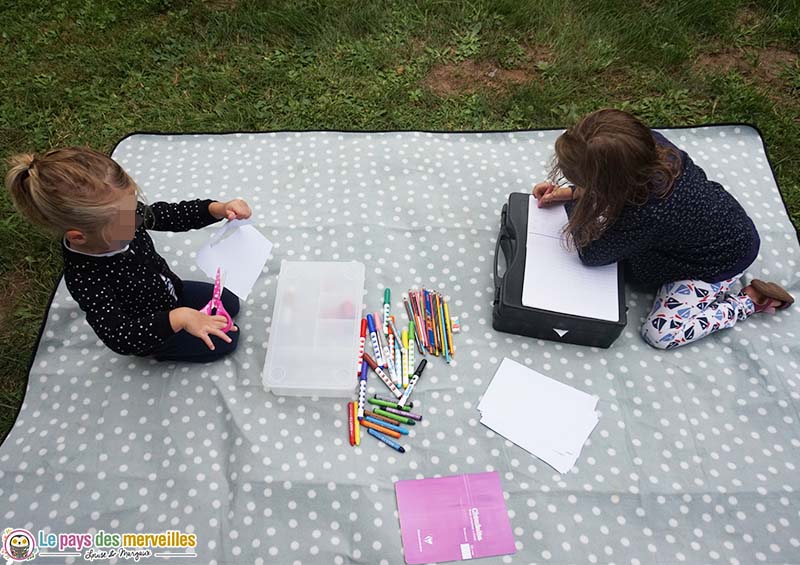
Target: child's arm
(190, 214)
(614, 245)
(624, 238)
(135, 335)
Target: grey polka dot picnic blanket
(696, 458)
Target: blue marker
(373, 337)
(385, 424)
(387, 440)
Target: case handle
(505, 243)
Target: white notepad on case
(556, 280)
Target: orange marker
(380, 429)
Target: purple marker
(411, 415)
(373, 337)
(362, 389)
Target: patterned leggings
(685, 311)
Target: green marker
(401, 419)
(387, 404)
(387, 303)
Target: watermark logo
(18, 545)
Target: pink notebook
(452, 518)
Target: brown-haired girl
(635, 197)
(133, 301)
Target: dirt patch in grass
(746, 17)
(764, 65)
(470, 76)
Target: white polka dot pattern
(695, 459)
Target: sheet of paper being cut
(241, 251)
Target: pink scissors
(215, 306)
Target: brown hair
(614, 158)
(70, 188)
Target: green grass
(87, 72)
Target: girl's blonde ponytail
(64, 189)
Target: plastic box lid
(313, 339)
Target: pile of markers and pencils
(430, 329)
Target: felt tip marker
(383, 376)
(409, 404)
(388, 358)
(392, 427)
(398, 363)
(401, 419)
(384, 418)
(362, 389)
(412, 383)
(381, 338)
(379, 428)
(388, 441)
(361, 341)
(387, 302)
(402, 412)
(410, 354)
(350, 425)
(356, 425)
(385, 404)
(373, 337)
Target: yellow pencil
(449, 330)
(356, 423)
(405, 363)
(442, 324)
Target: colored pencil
(449, 330)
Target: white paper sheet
(541, 415)
(240, 250)
(556, 280)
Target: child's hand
(236, 209)
(200, 325)
(547, 193)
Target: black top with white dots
(698, 232)
(124, 296)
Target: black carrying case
(510, 316)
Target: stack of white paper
(547, 418)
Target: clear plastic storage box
(313, 341)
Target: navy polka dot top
(124, 295)
(699, 231)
